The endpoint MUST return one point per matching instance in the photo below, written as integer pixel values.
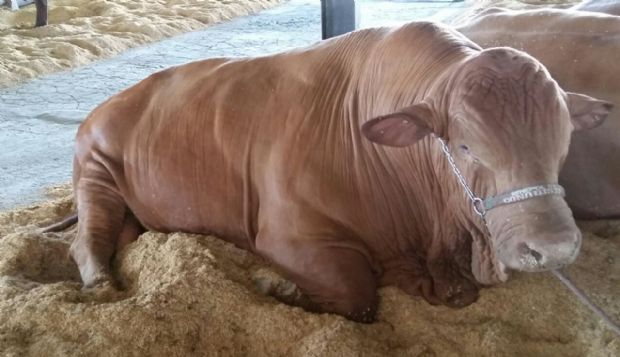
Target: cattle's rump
(268, 153)
(580, 50)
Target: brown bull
(581, 51)
(268, 154)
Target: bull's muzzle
(535, 235)
(535, 256)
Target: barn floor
(81, 31)
(189, 295)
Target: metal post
(338, 17)
(41, 13)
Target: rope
(586, 301)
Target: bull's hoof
(93, 272)
(103, 291)
(272, 284)
(98, 280)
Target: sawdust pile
(187, 295)
(81, 31)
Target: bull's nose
(542, 255)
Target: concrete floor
(39, 118)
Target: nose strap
(523, 194)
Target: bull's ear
(587, 112)
(402, 128)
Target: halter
(481, 206)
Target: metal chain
(478, 206)
(476, 201)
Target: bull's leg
(335, 276)
(101, 216)
(131, 230)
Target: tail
(62, 225)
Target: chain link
(477, 202)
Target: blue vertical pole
(337, 17)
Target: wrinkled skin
(268, 154)
(580, 50)
(506, 114)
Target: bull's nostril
(536, 255)
(530, 257)
(523, 249)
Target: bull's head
(508, 126)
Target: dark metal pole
(337, 17)
(41, 12)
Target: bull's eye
(464, 148)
